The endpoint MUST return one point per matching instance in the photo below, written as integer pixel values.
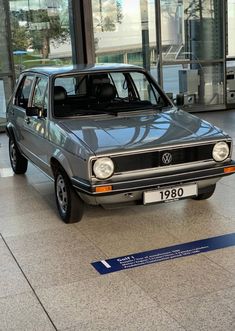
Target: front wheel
(69, 204)
(19, 163)
(207, 194)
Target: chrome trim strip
(46, 164)
(168, 147)
(36, 157)
(160, 169)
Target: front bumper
(210, 175)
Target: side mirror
(179, 99)
(35, 111)
(32, 111)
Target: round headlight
(220, 151)
(103, 168)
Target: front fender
(60, 157)
(10, 131)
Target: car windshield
(109, 92)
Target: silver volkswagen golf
(108, 135)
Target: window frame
(39, 77)
(19, 90)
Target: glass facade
(186, 44)
(125, 31)
(184, 39)
(40, 33)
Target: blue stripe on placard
(164, 254)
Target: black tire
(69, 204)
(19, 163)
(207, 194)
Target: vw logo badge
(167, 158)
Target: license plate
(170, 193)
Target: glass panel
(230, 65)
(2, 103)
(212, 90)
(192, 29)
(145, 90)
(68, 83)
(4, 54)
(5, 67)
(231, 28)
(5, 93)
(108, 92)
(121, 84)
(199, 84)
(23, 92)
(230, 82)
(39, 93)
(172, 27)
(40, 33)
(124, 31)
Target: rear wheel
(207, 194)
(19, 163)
(69, 204)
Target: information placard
(164, 254)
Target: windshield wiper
(94, 112)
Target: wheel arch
(60, 162)
(10, 131)
(69, 204)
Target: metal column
(82, 36)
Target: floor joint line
(26, 278)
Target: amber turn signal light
(229, 169)
(102, 189)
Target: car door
(35, 127)
(17, 112)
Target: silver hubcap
(13, 154)
(62, 195)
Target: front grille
(155, 159)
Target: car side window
(23, 92)
(40, 96)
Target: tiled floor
(47, 281)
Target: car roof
(80, 68)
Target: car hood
(130, 132)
